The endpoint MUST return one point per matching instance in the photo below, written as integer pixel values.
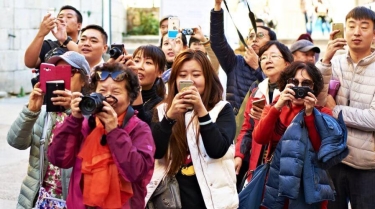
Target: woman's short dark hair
(310, 69)
(131, 79)
(284, 50)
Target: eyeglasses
(306, 83)
(273, 57)
(259, 35)
(74, 71)
(115, 75)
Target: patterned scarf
(103, 186)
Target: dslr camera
(116, 50)
(301, 91)
(91, 104)
(188, 31)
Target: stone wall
(20, 20)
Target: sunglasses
(259, 35)
(305, 83)
(115, 75)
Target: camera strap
(129, 114)
(252, 20)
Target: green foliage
(149, 25)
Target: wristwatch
(66, 42)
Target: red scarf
(103, 186)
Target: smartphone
(52, 12)
(50, 72)
(260, 103)
(338, 26)
(52, 86)
(173, 27)
(183, 85)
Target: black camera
(188, 31)
(301, 91)
(92, 104)
(116, 50)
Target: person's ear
(79, 27)
(105, 48)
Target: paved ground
(13, 162)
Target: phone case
(184, 84)
(50, 72)
(260, 103)
(173, 27)
(338, 26)
(50, 87)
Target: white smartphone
(173, 27)
(52, 12)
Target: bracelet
(205, 122)
(206, 42)
(170, 120)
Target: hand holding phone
(340, 27)
(51, 87)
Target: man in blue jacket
(241, 71)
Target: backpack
(56, 49)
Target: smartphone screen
(52, 86)
(338, 26)
(173, 27)
(184, 84)
(260, 103)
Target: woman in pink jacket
(112, 154)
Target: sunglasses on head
(306, 83)
(115, 75)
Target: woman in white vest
(194, 131)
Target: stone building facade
(20, 20)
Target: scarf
(103, 186)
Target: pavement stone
(13, 162)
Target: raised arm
(32, 52)
(219, 44)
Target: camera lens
(87, 105)
(115, 52)
(91, 104)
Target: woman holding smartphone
(26, 132)
(196, 143)
(273, 57)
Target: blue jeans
(354, 185)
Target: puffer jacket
(26, 132)
(295, 162)
(239, 74)
(356, 99)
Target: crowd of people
(152, 142)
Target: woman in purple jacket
(112, 154)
